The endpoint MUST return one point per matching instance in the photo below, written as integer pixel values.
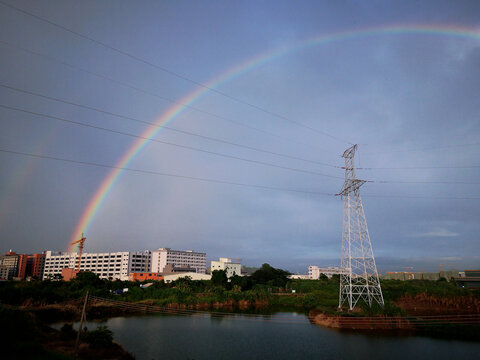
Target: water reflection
(272, 336)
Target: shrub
(101, 337)
(67, 332)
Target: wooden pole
(75, 353)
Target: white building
(314, 272)
(194, 276)
(298, 277)
(230, 266)
(177, 258)
(114, 265)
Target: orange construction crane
(80, 249)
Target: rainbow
(108, 182)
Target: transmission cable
(150, 172)
(420, 167)
(163, 126)
(133, 87)
(423, 182)
(172, 144)
(172, 73)
(423, 149)
(191, 148)
(217, 181)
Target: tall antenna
(359, 276)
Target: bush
(67, 332)
(101, 337)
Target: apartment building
(31, 266)
(109, 265)
(10, 261)
(178, 258)
(230, 266)
(3, 272)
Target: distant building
(24, 266)
(298, 277)
(38, 265)
(10, 261)
(115, 265)
(69, 274)
(4, 270)
(170, 269)
(178, 258)
(314, 272)
(230, 266)
(191, 275)
(407, 275)
(470, 280)
(142, 276)
(30, 266)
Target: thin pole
(75, 353)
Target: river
(280, 336)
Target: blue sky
(408, 100)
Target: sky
(105, 71)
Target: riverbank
(31, 337)
(444, 323)
(458, 326)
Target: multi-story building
(24, 266)
(38, 264)
(230, 266)
(114, 265)
(10, 261)
(3, 272)
(178, 258)
(30, 266)
(314, 272)
(140, 261)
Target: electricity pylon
(359, 276)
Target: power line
(162, 126)
(265, 187)
(170, 72)
(424, 182)
(172, 144)
(420, 167)
(149, 172)
(423, 197)
(423, 149)
(226, 155)
(191, 148)
(133, 87)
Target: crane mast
(80, 243)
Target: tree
(219, 278)
(268, 275)
(323, 277)
(239, 282)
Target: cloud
(451, 258)
(437, 232)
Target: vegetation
(101, 337)
(266, 287)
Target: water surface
(282, 336)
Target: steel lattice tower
(359, 277)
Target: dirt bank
(424, 304)
(359, 323)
